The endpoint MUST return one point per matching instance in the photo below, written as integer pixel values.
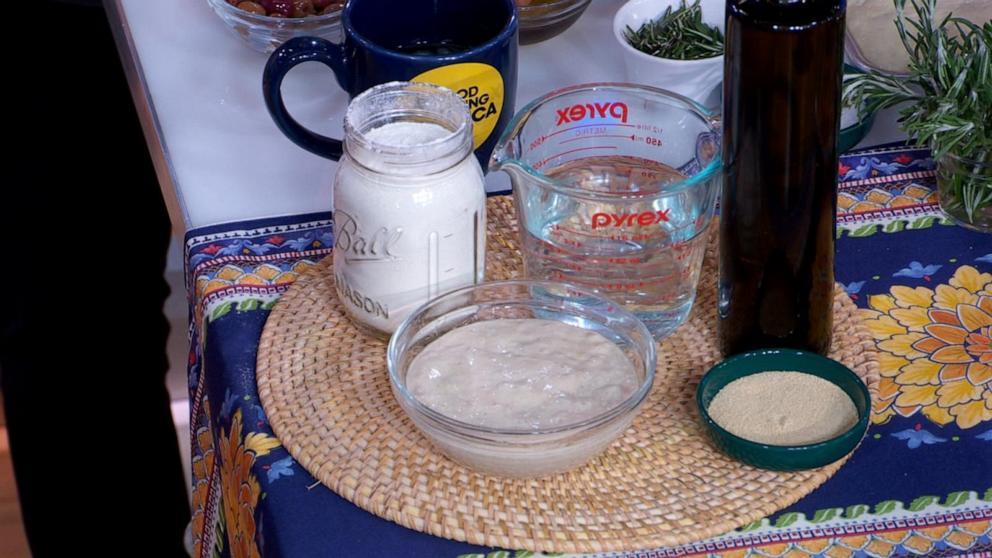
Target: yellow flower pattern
(203, 469)
(239, 487)
(935, 350)
(262, 274)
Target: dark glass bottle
(781, 101)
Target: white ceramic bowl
(692, 78)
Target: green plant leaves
(894, 226)
(948, 95)
(221, 310)
(678, 34)
(752, 526)
(825, 515)
(855, 511)
(248, 305)
(922, 223)
(956, 499)
(886, 506)
(787, 519)
(922, 502)
(864, 230)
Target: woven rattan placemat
(325, 390)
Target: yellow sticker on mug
(480, 85)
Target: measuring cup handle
(292, 53)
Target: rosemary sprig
(948, 94)
(678, 34)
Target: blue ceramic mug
(467, 46)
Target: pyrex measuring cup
(615, 186)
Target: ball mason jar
(409, 213)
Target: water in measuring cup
(644, 254)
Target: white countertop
(218, 154)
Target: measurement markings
(630, 137)
(559, 229)
(614, 285)
(544, 161)
(563, 130)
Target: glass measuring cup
(615, 186)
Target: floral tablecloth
(921, 483)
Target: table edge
(145, 107)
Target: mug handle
(290, 54)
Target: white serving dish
(695, 79)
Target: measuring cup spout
(505, 158)
(511, 167)
(502, 155)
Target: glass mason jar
(409, 203)
(965, 188)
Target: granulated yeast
(783, 408)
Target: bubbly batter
(521, 373)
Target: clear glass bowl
(521, 453)
(265, 34)
(539, 21)
(964, 185)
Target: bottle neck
(786, 15)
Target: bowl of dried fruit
(542, 19)
(266, 24)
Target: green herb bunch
(678, 35)
(949, 95)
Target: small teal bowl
(784, 458)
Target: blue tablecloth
(921, 483)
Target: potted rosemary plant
(948, 96)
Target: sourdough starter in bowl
(521, 373)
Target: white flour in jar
(521, 373)
(407, 133)
(405, 235)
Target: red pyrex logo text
(576, 113)
(645, 218)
